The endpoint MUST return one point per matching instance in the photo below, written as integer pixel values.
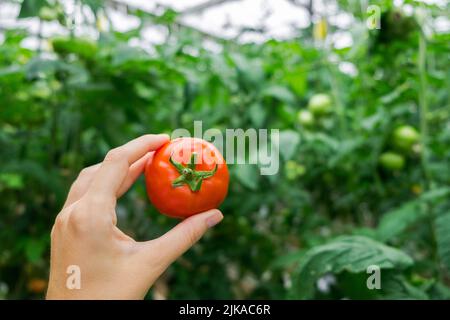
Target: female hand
(90, 257)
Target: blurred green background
(365, 146)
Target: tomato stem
(190, 176)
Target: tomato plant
(364, 136)
(186, 176)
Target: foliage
(350, 253)
(331, 209)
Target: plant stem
(335, 92)
(423, 107)
(40, 38)
(423, 111)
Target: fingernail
(214, 219)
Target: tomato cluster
(403, 140)
(319, 105)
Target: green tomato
(48, 14)
(60, 45)
(404, 137)
(392, 161)
(305, 118)
(84, 48)
(320, 104)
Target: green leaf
(440, 291)
(350, 253)
(168, 17)
(366, 232)
(11, 180)
(296, 78)
(288, 143)
(288, 260)
(95, 5)
(257, 114)
(27, 169)
(398, 220)
(248, 175)
(323, 139)
(125, 54)
(396, 287)
(395, 94)
(11, 70)
(442, 229)
(278, 92)
(41, 67)
(30, 8)
(34, 248)
(435, 194)
(346, 149)
(249, 71)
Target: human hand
(112, 265)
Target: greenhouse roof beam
(135, 10)
(197, 9)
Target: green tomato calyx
(190, 176)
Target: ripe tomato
(392, 161)
(405, 137)
(37, 285)
(320, 104)
(186, 176)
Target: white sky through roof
(278, 19)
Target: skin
(113, 265)
(182, 202)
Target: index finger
(114, 168)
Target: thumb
(184, 235)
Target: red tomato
(37, 285)
(186, 176)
